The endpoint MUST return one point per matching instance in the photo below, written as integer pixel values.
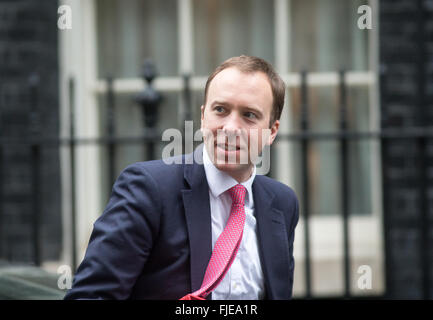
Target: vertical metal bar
(424, 219)
(10, 239)
(72, 144)
(385, 187)
(2, 182)
(149, 99)
(305, 181)
(187, 115)
(2, 206)
(110, 133)
(35, 168)
(345, 185)
(422, 149)
(36, 221)
(150, 144)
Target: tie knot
(238, 193)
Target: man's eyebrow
(244, 108)
(219, 102)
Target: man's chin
(233, 168)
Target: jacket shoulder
(155, 168)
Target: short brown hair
(249, 64)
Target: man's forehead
(230, 77)
(237, 72)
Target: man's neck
(241, 176)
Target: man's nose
(233, 124)
(233, 131)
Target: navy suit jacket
(154, 239)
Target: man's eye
(219, 109)
(250, 115)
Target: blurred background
(80, 102)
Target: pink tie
(226, 247)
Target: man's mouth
(227, 147)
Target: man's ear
(274, 131)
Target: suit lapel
(198, 219)
(273, 243)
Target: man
(212, 229)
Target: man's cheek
(244, 156)
(256, 143)
(207, 133)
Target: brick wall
(28, 45)
(406, 58)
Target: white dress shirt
(244, 279)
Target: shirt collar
(220, 181)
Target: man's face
(235, 120)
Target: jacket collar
(198, 217)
